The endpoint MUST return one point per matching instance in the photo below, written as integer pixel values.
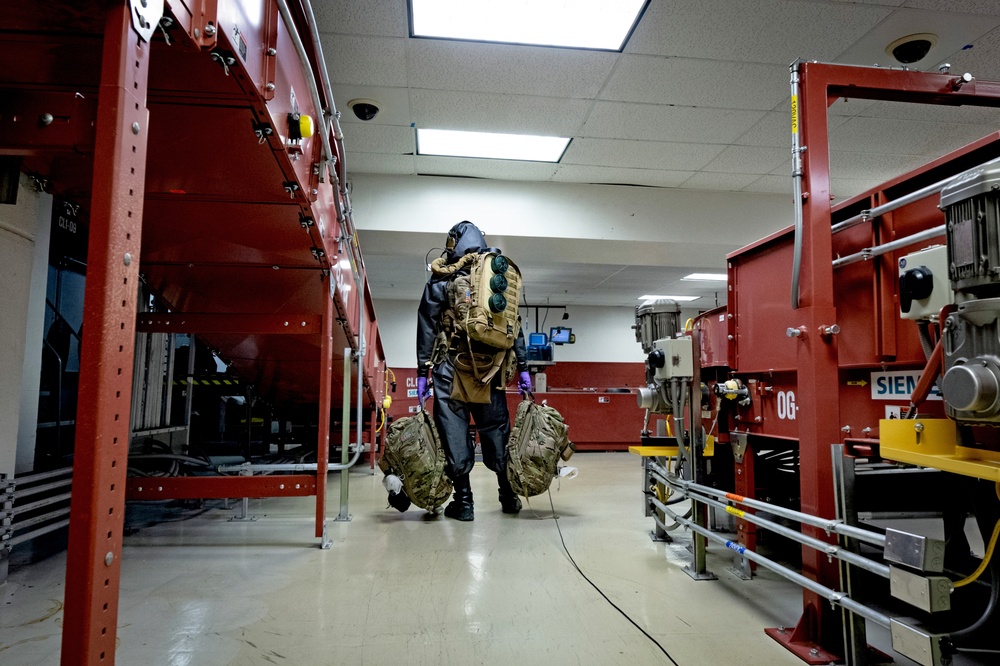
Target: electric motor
(971, 204)
(656, 319)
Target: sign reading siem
(898, 385)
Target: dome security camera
(364, 109)
(912, 48)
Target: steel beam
(98, 505)
(203, 322)
(325, 399)
(218, 487)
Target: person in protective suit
(451, 415)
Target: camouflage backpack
(413, 452)
(537, 442)
(483, 295)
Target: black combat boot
(460, 507)
(508, 499)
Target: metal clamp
(146, 15)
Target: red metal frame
(97, 508)
(240, 238)
(824, 370)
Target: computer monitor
(537, 340)
(560, 335)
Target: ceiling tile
(725, 182)
(393, 102)
(845, 188)
(382, 18)
(492, 112)
(476, 168)
(502, 68)
(366, 61)
(771, 185)
(775, 31)
(936, 113)
(903, 137)
(982, 60)
(388, 139)
(952, 30)
(640, 154)
(573, 173)
(747, 159)
(622, 120)
(783, 169)
(849, 107)
(685, 82)
(379, 163)
(990, 7)
(871, 166)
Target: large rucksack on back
(413, 452)
(486, 299)
(538, 441)
(481, 322)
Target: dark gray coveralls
(450, 416)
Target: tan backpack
(538, 441)
(483, 308)
(413, 452)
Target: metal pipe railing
(291, 467)
(877, 211)
(37, 520)
(55, 499)
(21, 538)
(834, 525)
(24, 492)
(41, 476)
(831, 550)
(884, 248)
(831, 595)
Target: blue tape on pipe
(731, 545)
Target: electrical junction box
(678, 360)
(924, 287)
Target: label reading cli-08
(898, 385)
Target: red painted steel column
(325, 392)
(98, 504)
(817, 385)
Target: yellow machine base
(654, 451)
(934, 443)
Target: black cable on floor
(599, 591)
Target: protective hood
(467, 238)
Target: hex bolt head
(45, 119)
(127, 259)
(209, 30)
(269, 87)
(272, 51)
(135, 128)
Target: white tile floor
(401, 589)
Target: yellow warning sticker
(795, 114)
(734, 511)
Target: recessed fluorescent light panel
(582, 24)
(451, 143)
(679, 299)
(706, 277)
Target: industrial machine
(853, 411)
(213, 298)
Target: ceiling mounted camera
(912, 48)
(364, 109)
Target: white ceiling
(698, 100)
